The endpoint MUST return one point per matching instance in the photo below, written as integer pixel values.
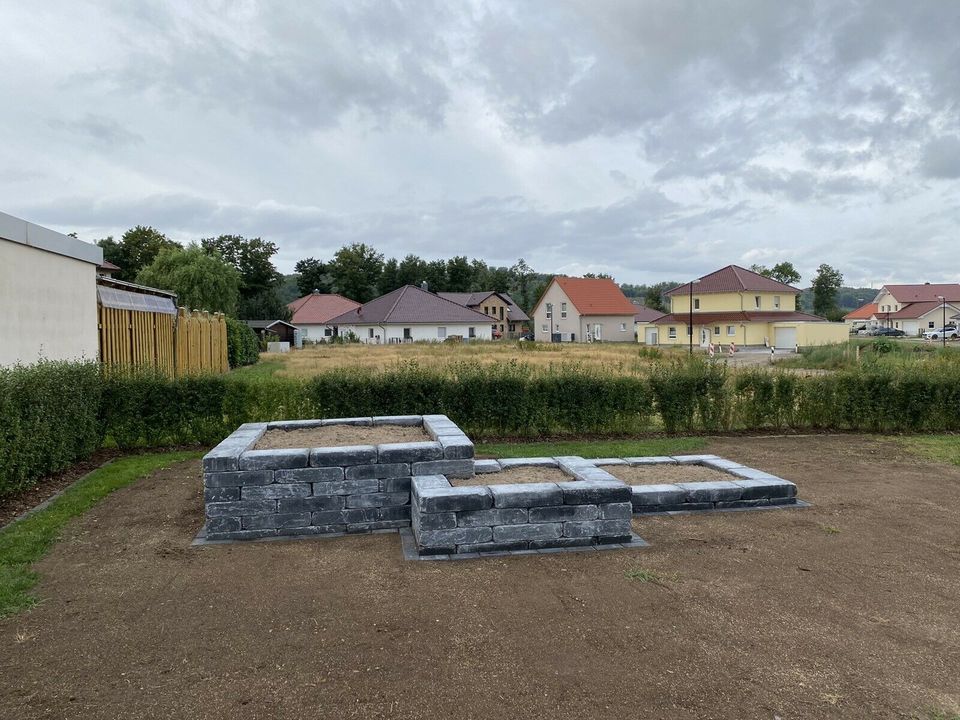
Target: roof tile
(734, 278)
(595, 296)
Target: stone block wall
(251, 494)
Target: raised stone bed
(590, 508)
(255, 493)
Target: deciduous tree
(201, 280)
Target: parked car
(948, 331)
(866, 331)
(889, 332)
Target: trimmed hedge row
(243, 346)
(52, 414)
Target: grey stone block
(359, 515)
(226, 455)
(437, 552)
(434, 521)
(234, 479)
(310, 504)
(507, 463)
(748, 473)
(348, 421)
(313, 530)
(714, 491)
(561, 513)
(395, 484)
(377, 499)
(774, 488)
(454, 499)
(481, 467)
(378, 471)
(347, 487)
(651, 460)
(615, 528)
(498, 516)
(223, 524)
(526, 495)
(614, 539)
(243, 535)
(530, 531)
(762, 502)
(397, 512)
(241, 507)
(221, 494)
(276, 520)
(616, 511)
(456, 447)
(294, 424)
(562, 542)
(343, 456)
(693, 459)
(274, 492)
(404, 420)
(274, 459)
(494, 547)
(589, 473)
(721, 464)
(587, 529)
(408, 452)
(425, 482)
(594, 492)
(327, 518)
(601, 462)
(450, 468)
(650, 495)
(454, 537)
(783, 501)
(570, 464)
(309, 475)
(639, 510)
(365, 527)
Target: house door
(650, 336)
(598, 331)
(704, 337)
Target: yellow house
(736, 305)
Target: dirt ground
(652, 475)
(340, 435)
(515, 475)
(848, 609)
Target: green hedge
(49, 418)
(52, 414)
(243, 346)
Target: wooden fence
(189, 342)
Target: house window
(370, 333)
(756, 301)
(623, 327)
(486, 309)
(471, 332)
(442, 333)
(931, 325)
(689, 330)
(696, 303)
(897, 325)
(501, 312)
(716, 330)
(406, 334)
(776, 302)
(731, 330)
(544, 328)
(563, 310)
(672, 333)
(328, 332)
(549, 311)
(513, 327)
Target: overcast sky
(649, 140)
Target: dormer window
(756, 302)
(776, 302)
(696, 303)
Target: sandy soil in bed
(514, 476)
(340, 435)
(667, 473)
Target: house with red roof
(583, 310)
(916, 308)
(312, 314)
(737, 305)
(412, 314)
(864, 316)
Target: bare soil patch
(847, 609)
(666, 473)
(340, 435)
(514, 476)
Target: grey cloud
(103, 131)
(941, 158)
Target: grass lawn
(942, 448)
(28, 540)
(593, 448)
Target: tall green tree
(783, 272)
(312, 274)
(356, 272)
(459, 274)
(412, 270)
(655, 297)
(826, 283)
(389, 277)
(436, 275)
(523, 277)
(136, 249)
(201, 280)
(259, 278)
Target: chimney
(423, 286)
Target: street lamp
(692, 283)
(943, 321)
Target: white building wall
(419, 332)
(544, 326)
(313, 333)
(49, 306)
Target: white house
(583, 310)
(312, 314)
(48, 292)
(410, 314)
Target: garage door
(785, 338)
(650, 336)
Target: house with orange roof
(583, 310)
(916, 308)
(864, 316)
(736, 305)
(312, 314)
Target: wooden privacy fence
(188, 342)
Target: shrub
(49, 418)
(243, 347)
